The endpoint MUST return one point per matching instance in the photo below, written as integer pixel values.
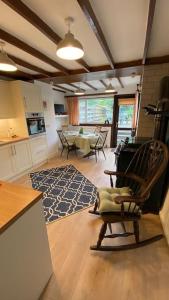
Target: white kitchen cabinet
(39, 150)
(7, 169)
(21, 156)
(31, 97)
(7, 110)
(15, 158)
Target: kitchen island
(24, 250)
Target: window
(96, 110)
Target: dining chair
(100, 143)
(69, 146)
(123, 204)
(97, 129)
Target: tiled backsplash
(150, 95)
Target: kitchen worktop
(8, 140)
(14, 201)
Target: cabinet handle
(11, 150)
(15, 149)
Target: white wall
(50, 97)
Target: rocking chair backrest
(146, 167)
(62, 137)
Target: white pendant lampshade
(79, 92)
(6, 64)
(110, 89)
(69, 48)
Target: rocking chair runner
(123, 204)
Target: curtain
(73, 110)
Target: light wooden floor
(80, 274)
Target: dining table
(82, 140)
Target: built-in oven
(35, 123)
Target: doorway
(124, 118)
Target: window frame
(94, 98)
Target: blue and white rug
(65, 191)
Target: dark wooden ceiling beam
(95, 26)
(90, 86)
(9, 38)
(23, 10)
(75, 86)
(121, 83)
(17, 75)
(29, 66)
(95, 94)
(98, 75)
(58, 90)
(63, 88)
(151, 11)
(103, 83)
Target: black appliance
(35, 123)
(59, 109)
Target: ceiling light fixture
(69, 48)
(79, 92)
(110, 89)
(6, 64)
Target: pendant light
(69, 48)
(110, 89)
(79, 92)
(6, 64)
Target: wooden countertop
(15, 200)
(5, 141)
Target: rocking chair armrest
(108, 172)
(133, 199)
(125, 175)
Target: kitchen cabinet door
(32, 97)
(22, 156)
(39, 149)
(6, 162)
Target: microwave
(35, 123)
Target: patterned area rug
(65, 191)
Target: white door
(22, 156)
(6, 162)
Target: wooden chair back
(146, 167)
(62, 138)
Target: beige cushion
(107, 196)
(94, 146)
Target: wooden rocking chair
(123, 204)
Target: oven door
(35, 125)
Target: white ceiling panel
(96, 83)
(67, 86)
(26, 70)
(29, 34)
(124, 26)
(159, 43)
(113, 81)
(130, 81)
(54, 15)
(28, 58)
(82, 85)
